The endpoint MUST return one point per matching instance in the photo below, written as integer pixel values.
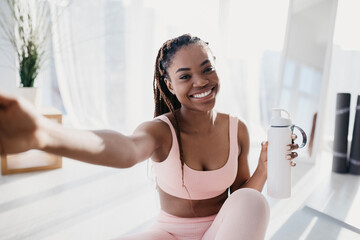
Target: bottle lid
(277, 120)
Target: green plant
(27, 26)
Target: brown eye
(208, 69)
(185, 77)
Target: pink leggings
(244, 215)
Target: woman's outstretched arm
(22, 128)
(103, 147)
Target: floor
(324, 205)
(83, 201)
(79, 201)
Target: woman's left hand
(262, 165)
(292, 155)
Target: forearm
(257, 180)
(107, 148)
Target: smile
(201, 95)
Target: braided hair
(165, 101)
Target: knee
(245, 216)
(248, 199)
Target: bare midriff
(191, 208)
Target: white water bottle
(278, 167)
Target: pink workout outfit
(244, 214)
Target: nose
(200, 81)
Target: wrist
(261, 171)
(44, 133)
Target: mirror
(304, 70)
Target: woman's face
(193, 78)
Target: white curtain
(105, 53)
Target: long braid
(160, 98)
(165, 101)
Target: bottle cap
(277, 120)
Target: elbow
(130, 163)
(127, 163)
(131, 157)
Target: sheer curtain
(105, 53)
(79, 55)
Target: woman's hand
(292, 155)
(19, 125)
(262, 165)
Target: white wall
(344, 71)
(7, 60)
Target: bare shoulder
(156, 128)
(222, 118)
(242, 136)
(242, 128)
(158, 134)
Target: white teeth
(201, 95)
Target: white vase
(29, 93)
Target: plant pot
(29, 93)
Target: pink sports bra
(199, 184)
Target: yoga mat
(354, 162)
(340, 162)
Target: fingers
(291, 156)
(263, 153)
(264, 146)
(292, 146)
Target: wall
(7, 60)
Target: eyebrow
(187, 69)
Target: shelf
(33, 160)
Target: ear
(169, 85)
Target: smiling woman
(200, 156)
(117, 82)
(212, 147)
(199, 83)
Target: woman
(199, 155)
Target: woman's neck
(195, 121)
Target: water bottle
(279, 168)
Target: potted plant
(27, 26)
